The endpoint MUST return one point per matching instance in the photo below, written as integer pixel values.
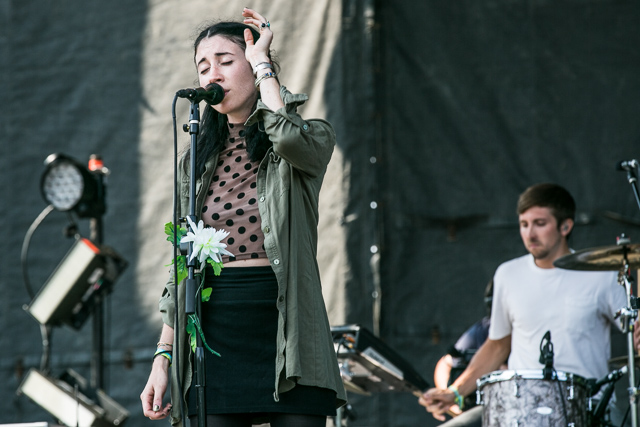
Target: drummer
(532, 297)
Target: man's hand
(636, 336)
(437, 401)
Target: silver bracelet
(261, 66)
(264, 77)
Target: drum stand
(627, 317)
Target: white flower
(207, 242)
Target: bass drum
(524, 398)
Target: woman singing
(260, 167)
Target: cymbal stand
(627, 317)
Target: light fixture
(69, 186)
(87, 271)
(66, 399)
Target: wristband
(163, 353)
(459, 400)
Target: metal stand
(192, 304)
(633, 180)
(97, 351)
(627, 316)
(97, 236)
(632, 313)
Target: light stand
(96, 166)
(74, 291)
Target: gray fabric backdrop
(445, 112)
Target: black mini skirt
(240, 322)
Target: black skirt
(240, 322)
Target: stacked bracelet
(261, 66)
(164, 353)
(264, 77)
(459, 400)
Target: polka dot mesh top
(231, 203)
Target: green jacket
(288, 185)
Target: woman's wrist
(262, 76)
(262, 67)
(258, 60)
(161, 363)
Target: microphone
(546, 356)
(626, 165)
(212, 94)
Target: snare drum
(524, 398)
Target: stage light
(86, 272)
(68, 401)
(68, 185)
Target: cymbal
(603, 258)
(619, 362)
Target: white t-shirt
(578, 308)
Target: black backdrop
(445, 112)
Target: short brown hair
(548, 195)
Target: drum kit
(567, 399)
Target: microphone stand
(628, 316)
(633, 180)
(192, 304)
(630, 313)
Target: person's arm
(488, 358)
(158, 381)
(257, 52)
(443, 371)
(441, 376)
(306, 145)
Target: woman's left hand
(257, 52)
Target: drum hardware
(621, 218)
(597, 414)
(622, 257)
(570, 390)
(631, 167)
(618, 362)
(603, 258)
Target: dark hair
(213, 129)
(551, 196)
